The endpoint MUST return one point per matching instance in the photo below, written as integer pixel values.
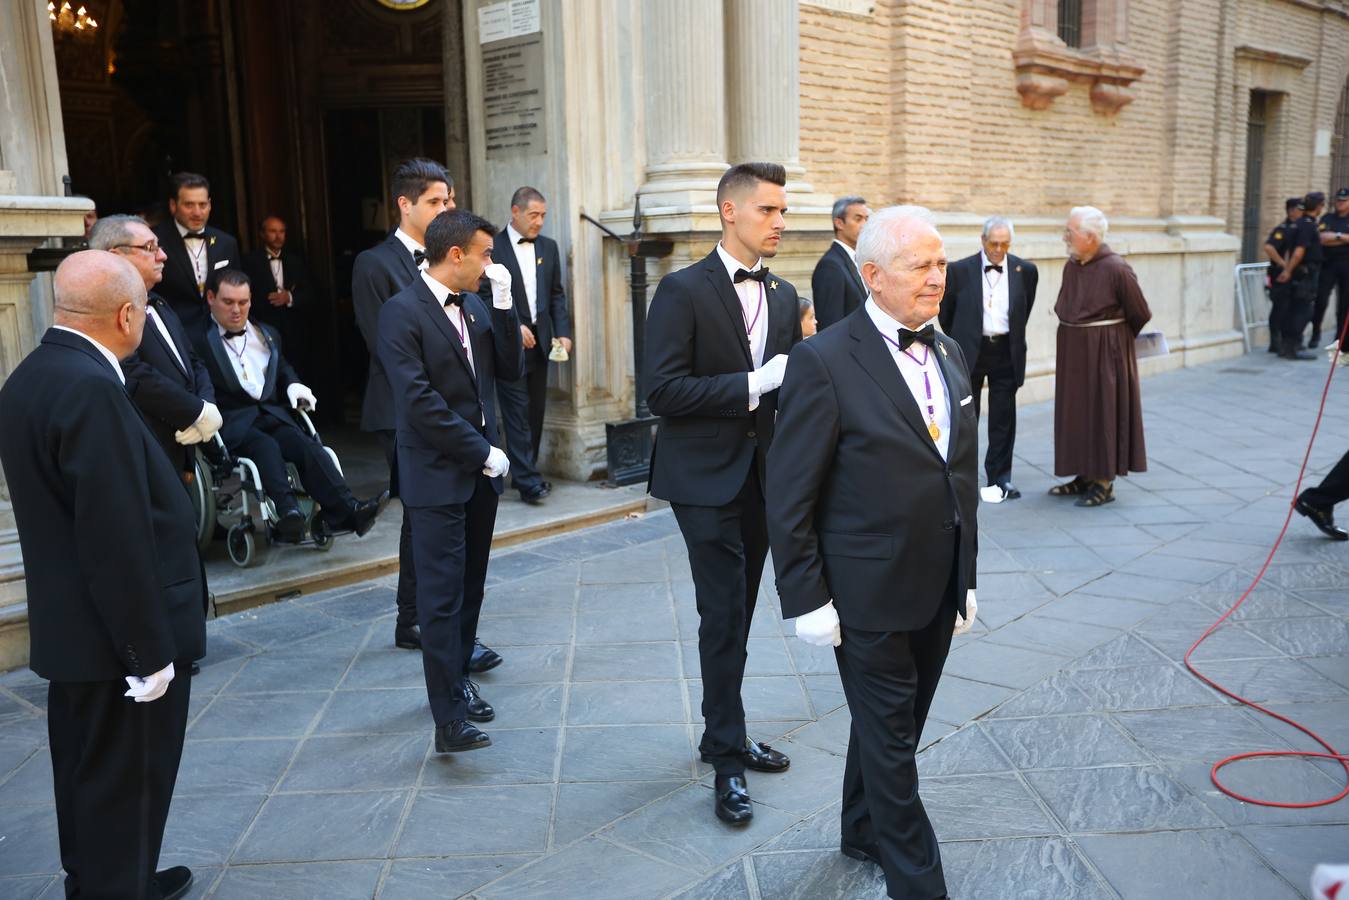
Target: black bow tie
(454, 300)
(271, 258)
(418, 256)
(234, 334)
(758, 275)
(199, 235)
(525, 240)
(995, 268)
(924, 335)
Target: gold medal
(933, 430)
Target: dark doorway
(1251, 227)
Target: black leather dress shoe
(732, 800)
(479, 710)
(1009, 492)
(535, 497)
(869, 853)
(484, 658)
(1323, 519)
(364, 514)
(763, 758)
(407, 637)
(291, 525)
(174, 882)
(460, 735)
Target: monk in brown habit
(1098, 420)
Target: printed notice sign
(512, 76)
(507, 19)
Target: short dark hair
(413, 177)
(747, 175)
(1313, 200)
(524, 196)
(803, 305)
(271, 215)
(454, 228)
(1291, 204)
(187, 180)
(235, 277)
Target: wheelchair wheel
(241, 545)
(202, 490)
(323, 539)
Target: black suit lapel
(176, 249)
(222, 359)
(850, 267)
(721, 284)
(404, 256)
(171, 352)
(1016, 296)
(955, 390)
(273, 361)
(518, 296)
(436, 312)
(873, 355)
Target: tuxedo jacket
(179, 285)
(294, 273)
(445, 409)
(379, 273)
(553, 320)
(697, 357)
(962, 307)
(169, 393)
(237, 406)
(836, 286)
(861, 506)
(115, 585)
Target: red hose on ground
(1330, 753)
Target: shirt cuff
(753, 390)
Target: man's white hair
(882, 237)
(992, 223)
(1090, 220)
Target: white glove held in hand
(771, 373)
(151, 688)
(500, 276)
(209, 422)
(962, 624)
(299, 394)
(820, 626)
(496, 464)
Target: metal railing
(1252, 298)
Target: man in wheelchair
(256, 389)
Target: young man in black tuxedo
(872, 491)
(443, 349)
(195, 249)
(116, 596)
(989, 297)
(836, 284)
(716, 343)
(541, 304)
(285, 291)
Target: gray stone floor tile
(812, 660)
(624, 568)
(279, 625)
(725, 884)
(1196, 571)
(773, 697)
(301, 827)
(641, 599)
(357, 763)
(1312, 636)
(513, 631)
(1017, 585)
(1050, 742)
(1142, 687)
(627, 703)
(1060, 559)
(1108, 612)
(625, 875)
(959, 700)
(270, 672)
(966, 751)
(1125, 650)
(506, 819)
(995, 611)
(30, 783)
(202, 831)
(1286, 780)
(818, 831)
(542, 664)
(383, 711)
(814, 780)
(553, 593)
(381, 668)
(1294, 851)
(522, 705)
(1263, 680)
(767, 656)
(1122, 798)
(1046, 635)
(1231, 640)
(613, 627)
(356, 606)
(517, 756)
(1299, 576)
(1328, 718)
(1147, 588)
(583, 807)
(1197, 733)
(259, 715)
(1021, 867)
(29, 845)
(1335, 602)
(627, 753)
(976, 807)
(627, 662)
(825, 693)
(1336, 668)
(1013, 667)
(29, 887)
(1062, 583)
(829, 732)
(522, 564)
(355, 880)
(418, 879)
(1144, 866)
(811, 874)
(226, 767)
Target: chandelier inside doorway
(71, 19)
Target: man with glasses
(164, 377)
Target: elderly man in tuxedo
(872, 491)
(116, 596)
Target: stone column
(763, 72)
(684, 69)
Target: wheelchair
(216, 500)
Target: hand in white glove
(500, 276)
(771, 373)
(150, 688)
(189, 435)
(496, 464)
(209, 422)
(963, 624)
(820, 627)
(301, 397)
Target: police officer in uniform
(1334, 234)
(1305, 277)
(1279, 248)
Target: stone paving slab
(1067, 754)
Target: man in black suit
(195, 249)
(443, 348)
(716, 343)
(164, 377)
(541, 304)
(872, 492)
(251, 376)
(116, 597)
(281, 274)
(988, 299)
(836, 282)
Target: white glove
(820, 626)
(500, 276)
(962, 624)
(771, 374)
(189, 435)
(209, 422)
(147, 690)
(496, 465)
(300, 396)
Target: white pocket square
(221, 264)
(967, 400)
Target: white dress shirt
(411, 245)
(526, 260)
(458, 322)
(164, 333)
(196, 253)
(852, 255)
(249, 355)
(278, 270)
(107, 354)
(920, 360)
(754, 313)
(994, 291)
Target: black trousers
(1301, 299)
(522, 403)
(995, 364)
(1333, 489)
(1280, 298)
(271, 443)
(114, 764)
(727, 546)
(1334, 277)
(451, 548)
(889, 678)
(407, 572)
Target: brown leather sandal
(1097, 495)
(1078, 485)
